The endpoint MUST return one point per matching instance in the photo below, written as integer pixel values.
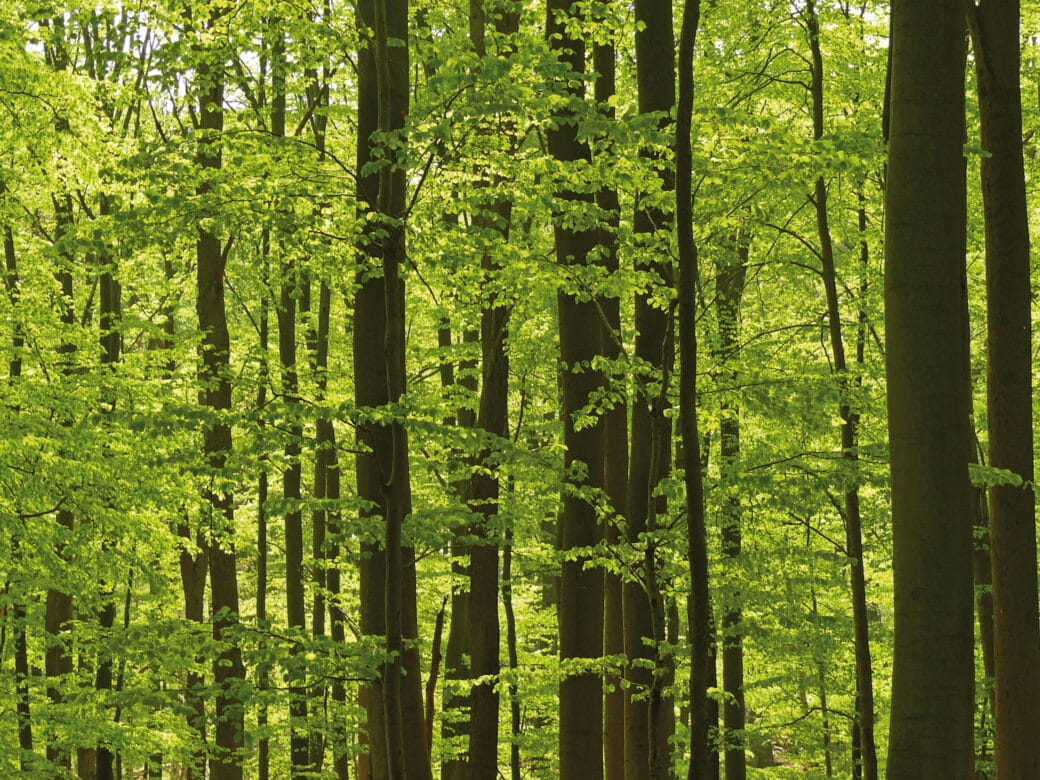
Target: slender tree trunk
(370, 390)
(615, 433)
(215, 395)
(292, 474)
(849, 425)
(492, 221)
(703, 755)
(328, 465)
(731, 274)
(110, 343)
(995, 37)
(982, 569)
(515, 722)
(21, 647)
(581, 588)
(455, 725)
(58, 615)
(928, 407)
(646, 754)
(263, 743)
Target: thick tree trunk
(397, 730)
(926, 357)
(581, 589)
(483, 607)
(370, 390)
(1016, 631)
(455, 724)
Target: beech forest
(518, 389)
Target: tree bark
(615, 434)
(928, 407)
(58, 614)
(21, 648)
(731, 274)
(215, 395)
(292, 474)
(388, 575)
(646, 747)
(111, 343)
(491, 221)
(703, 755)
(849, 426)
(994, 28)
(581, 589)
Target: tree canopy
(408, 389)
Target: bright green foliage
(119, 447)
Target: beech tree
(1009, 391)
(606, 356)
(926, 329)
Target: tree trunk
(58, 615)
(515, 722)
(702, 752)
(388, 576)
(731, 274)
(1016, 630)
(849, 426)
(455, 725)
(292, 474)
(982, 570)
(615, 434)
(370, 390)
(926, 358)
(21, 649)
(492, 221)
(110, 343)
(215, 395)
(581, 589)
(263, 743)
(645, 755)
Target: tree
(730, 279)
(703, 755)
(647, 714)
(581, 585)
(215, 396)
(926, 325)
(849, 421)
(1012, 532)
(396, 717)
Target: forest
(487, 389)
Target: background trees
(463, 222)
